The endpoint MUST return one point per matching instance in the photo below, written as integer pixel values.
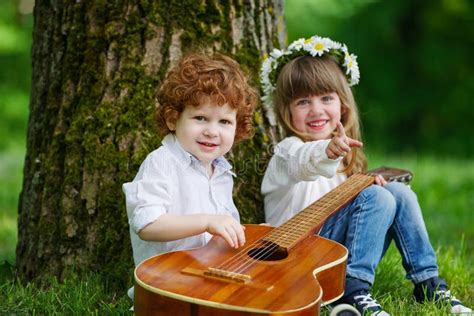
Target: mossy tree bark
(96, 68)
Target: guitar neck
(308, 220)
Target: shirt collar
(222, 163)
(172, 144)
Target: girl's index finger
(340, 130)
(354, 142)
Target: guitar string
(312, 217)
(258, 255)
(243, 252)
(267, 251)
(362, 180)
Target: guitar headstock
(393, 174)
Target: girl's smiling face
(316, 115)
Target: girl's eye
(327, 98)
(302, 102)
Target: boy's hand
(228, 228)
(340, 145)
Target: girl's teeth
(317, 124)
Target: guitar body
(296, 283)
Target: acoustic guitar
(286, 270)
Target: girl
(310, 86)
(182, 193)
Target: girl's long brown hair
(306, 76)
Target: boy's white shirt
(298, 174)
(172, 181)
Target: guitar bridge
(243, 278)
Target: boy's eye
(226, 122)
(199, 118)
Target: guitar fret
(285, 234)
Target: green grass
(87, 295)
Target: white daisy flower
(266, 66)
(308, 44)
(336, 45)
(355, 76)
(321, 45)
(353, 70)
(276, 53)
(296, 45)
(349, 62)
(344, 49)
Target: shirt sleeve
(305, 161)
(148, 195)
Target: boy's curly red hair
(196, 76)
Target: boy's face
(206, 131)
(316, 115)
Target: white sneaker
(344, 310)
(456, 305)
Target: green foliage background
(416, 62)
(15, 77)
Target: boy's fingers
(241, 237)
(239, 234)
(227, 239)
(233, 236)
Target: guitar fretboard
(306, 221)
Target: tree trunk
(96, 68)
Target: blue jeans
(368, 224)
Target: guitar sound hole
(269, 252)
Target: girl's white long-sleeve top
(298, 174)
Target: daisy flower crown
(315, 46)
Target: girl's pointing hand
(340, 145)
